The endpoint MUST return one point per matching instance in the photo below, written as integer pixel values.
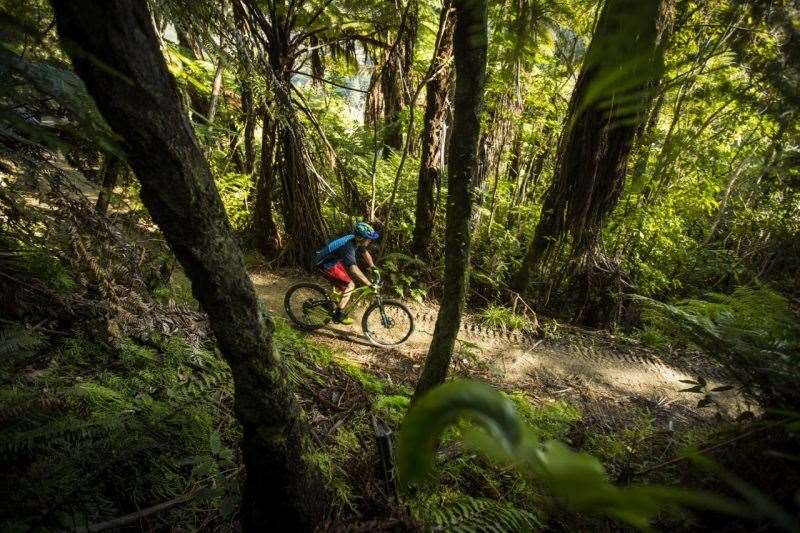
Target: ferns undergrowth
(92, 431)
(753, 333)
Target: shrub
(496, 316)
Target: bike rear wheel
(308, 306)
(387, 323)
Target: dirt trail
(606, 366)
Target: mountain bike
(385, 322)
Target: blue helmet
(365, 231)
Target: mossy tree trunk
(613, 90)
(433, 136)
(470, 43)
(392, 91)
(139, 99)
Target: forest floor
(605, 373)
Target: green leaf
(443, 406)
(576, 478)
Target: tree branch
(328, 81)
(133, 517)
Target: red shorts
(337, 275)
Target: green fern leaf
(473, 515)
(19, 340)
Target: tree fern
(473, 515)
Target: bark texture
(431, 167)
(250, 118)
(306, 230)
(139, 99)
(113, 169)
(607, 106)
(470, 42)
(267, 237)
(392, 91)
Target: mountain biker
(339, 259)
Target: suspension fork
(385, 320)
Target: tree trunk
(216, 88)
(538, 165)
(199, 102)
(139, 99)
(306, 230)
(373, 106)
(113, 169)
(431, 164)
(603, 119)
(470, 42)
(491, 151)
(392, 90)
(267, 238)
(396, 79)
(516, 156)
(248, 109)
(188, 42)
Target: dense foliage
(637, 170)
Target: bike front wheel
(308, 306)
(387, 323)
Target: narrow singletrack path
(598, 363)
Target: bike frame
(360, 294)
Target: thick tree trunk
(392, 90)
(594, 147)
(267, 238)
(396, 79)
(306, 230)
(431, 164)
(373, 107)
(113, 169)
(139, 99)
(470, 42)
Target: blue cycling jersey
(342, 249)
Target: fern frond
(403, 258)
(68, 428)
(472, 515)
(19, 340)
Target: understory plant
(752, 332)
(494, 429)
